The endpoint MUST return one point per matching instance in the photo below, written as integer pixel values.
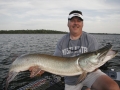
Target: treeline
(105, 33)
(42, 31)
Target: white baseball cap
(75, 13)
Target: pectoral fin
(82, 77)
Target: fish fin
(81, 77)
(35, 71)
(10, 77)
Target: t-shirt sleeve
(58, 50)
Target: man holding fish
(80, 69)
(75, 43)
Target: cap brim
(75, 15)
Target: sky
(100, 16)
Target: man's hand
(35, 70)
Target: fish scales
(52, 64)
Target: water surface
(14, 45)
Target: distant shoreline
(104, 33)
(43, 31)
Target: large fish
(64, 66)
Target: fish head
(93, 60)
(105, 54)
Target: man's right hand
(35, 70)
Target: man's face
(75, 25)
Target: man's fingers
(35, 70)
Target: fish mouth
(106, 53)
(103, 52)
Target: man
(75, 43)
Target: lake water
(14, 45)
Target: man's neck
(75, 36)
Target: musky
(100, 16)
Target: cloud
(52, 14)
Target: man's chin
(76, 30)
